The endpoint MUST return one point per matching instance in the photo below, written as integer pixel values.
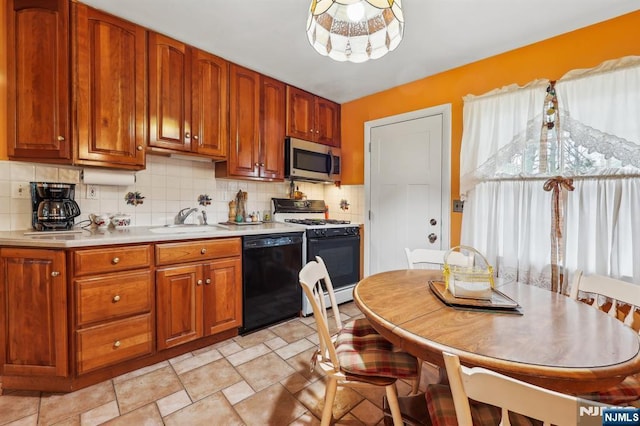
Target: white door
(408, 187)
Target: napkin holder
(468, 282)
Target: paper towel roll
(108, 177)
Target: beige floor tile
(248, 354)
(230, 348)
(69, 421)
(294, 348)
(272, 406)
(295, 382)
(173, 402)
(292, 331)
(17, 405)
(238, 392)
(265, 371)
(313, 398)
(254, 338)
(367, 412)
(210, 378)
(301, 363)
(143, 416)
(100, 414)
(180, 358)
(57, 407)
(275, 343)
(349, 420)
(212, 410)
(31, 420)
(140, 372)
(140, 391)
(350, 309)
(196, 361)
(307, 419)
(373, 393)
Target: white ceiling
(269, 35)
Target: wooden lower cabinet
(70, 318)
(198, 300)
(33, 313)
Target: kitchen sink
(188, 229)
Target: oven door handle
(329, 162)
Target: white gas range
(337, 242)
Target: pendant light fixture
(355, 30)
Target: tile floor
(262, 378)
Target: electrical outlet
(458, 206)
(92, 192)
(20, 190)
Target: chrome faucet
(182, 216)
(204, 217)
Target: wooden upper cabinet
(312, 118)
(244, 126)
(257, 107)
(188, 98)
(38, 80)
(272, 118)
(210, 104)
(33, 313)
(169, 93)
(111, 95)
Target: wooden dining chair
(434, 259)
(357, 355)
(622, 302)
(496, 399)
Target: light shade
(355, 30)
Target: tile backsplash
(167, 185)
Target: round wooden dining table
(558, 343)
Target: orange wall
(583, 48)
(3, 82)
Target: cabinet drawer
(113, 296)
(113, 259)
(169, 253)
(114, 342)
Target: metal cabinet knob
(207, 281)
(203, 251)
(187, 135)
(432, 238)
(116, 298)
(115, 260)
(199, 282)
(60, 138)
(139, 147)
(55, 274)
(195, 137)
(116, 344)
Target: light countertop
(138, 234)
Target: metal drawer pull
(199, 282)
(60, 138)
(208, 281)
(55, 274)
(203, 251)
(116, 298)
(115, 260)
(116, 344)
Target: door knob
(433, 222)
(432, 238)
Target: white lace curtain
(509, 150)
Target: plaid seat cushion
(443, 412)
(362, 351)
(623, 393)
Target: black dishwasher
(271, 291)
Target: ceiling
(269, 36)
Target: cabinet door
(272, 123)
(169, 93)
(300, 114)
(33, 312)
(38, 80)
(111, 116)
(210, 107)
(327, 122)
(244, 109)
(179, 305)
(222, 295)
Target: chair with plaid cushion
(481, 397)
(623, 303)
(357, 355)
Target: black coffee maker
(52, 206)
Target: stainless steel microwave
(311, 161)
